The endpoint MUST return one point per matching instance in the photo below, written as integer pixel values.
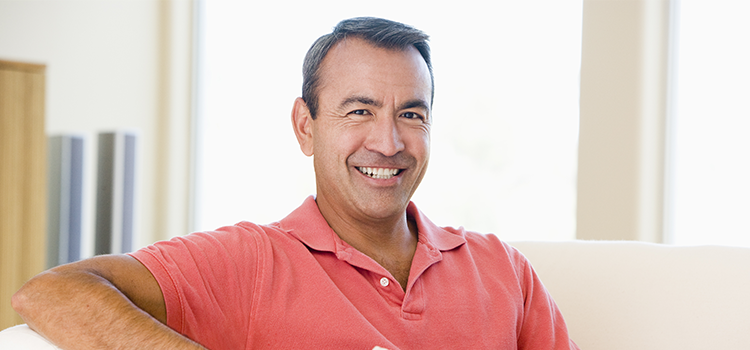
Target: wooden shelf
(23, 162)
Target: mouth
(379, 173)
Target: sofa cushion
(633, 295)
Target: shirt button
(384, 282)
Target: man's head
(378, 32)
(370, 132)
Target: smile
(379, 173)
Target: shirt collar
(311, 228)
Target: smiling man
(370, 137)
(356, 266)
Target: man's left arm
(543, 324)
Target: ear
(302, 124)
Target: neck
(391, 242)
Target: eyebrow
(361, 100)
(415, 103)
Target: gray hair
(377, 31)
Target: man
(356, 266)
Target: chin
(383, 208)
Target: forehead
(355, 66)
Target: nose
(384, 137)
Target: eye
(359, 112)
(412, 115)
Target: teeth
(379, 173)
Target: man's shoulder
(475, 237)
(486, 245)
(239, 236)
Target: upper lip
(373, 161)
(379, 167)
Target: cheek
(419, 144)
(334, 147)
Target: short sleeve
(543, 326)
(207, 280)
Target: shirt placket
(411, 302)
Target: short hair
(380, 32)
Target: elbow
(17, 301)
(22, 300)
(26, 300)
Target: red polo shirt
(295, 284)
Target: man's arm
(105, 302)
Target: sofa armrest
(22, 337)
(634, 295)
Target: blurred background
(554, 120)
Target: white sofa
(21, 337)
(630, 295)
(621, 295)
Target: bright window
(504, 140)
(709, 200)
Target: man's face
(371, 137)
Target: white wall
(125, 64)
(505, 114)
(106, 69)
